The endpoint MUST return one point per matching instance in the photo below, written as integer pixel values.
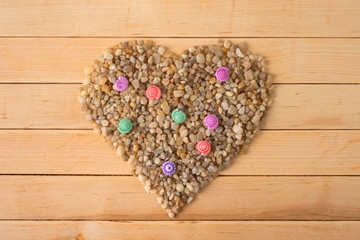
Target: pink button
(211, 121)
(222, 74)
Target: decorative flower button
(125, 126)
(168, 168)
(222, 74)
(211, 121)
(121, 84)
(203, 147)
(153, 92)
(178, 116)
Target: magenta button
(211, 121)
(222, 74)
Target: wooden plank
(272, 153)
(298, 60)
(298, 18)
(295, 107)
(203, 230)
(124, 198)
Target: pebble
(256, 119)
(216, 59)
(135, 83)
(190, 187)
(178, 93)
(225, 105)
(200, 58)
(179, 187)
(239, 53)
(238, 128)
(165, 107)
(104, 122)
(153, 125)
(183, 132)
(127, 68)
(156, 58)
(108, 56)
(143, 100)
(232, 110)
(120, 150)
(227, 44)
(161, 50)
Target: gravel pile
(188, 83)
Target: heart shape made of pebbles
(177, 119)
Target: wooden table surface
(299, 180)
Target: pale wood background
(300, 178)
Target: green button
(178, 116)
(125, 126)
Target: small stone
(225, 105)
(192, 138)
(239, 53)
(132, 59)
(127, 68)
(200, 58)
(179, 64)
(160, 200)
(227, 44)
(212, 168)
(256, 119)
(232, 110)
(106, 131)
(104, 123)
(215, 59)
(156, 58)
(136, 148)
(165, 107)
(89, 70)
(102, 81)
(165, 81)
(238, 128)
(120, 150)
(161, 50)
(183, 133)
(190, 187)
(153, 125)
(143, 100)
(178, 93)
(135, 83)
(142, 179)
(179, 187)
(108, 56)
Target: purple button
(121, 84)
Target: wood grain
(272, 153)
(62, 60)
(203, 230)
(236, 198)
(188, 18)
(295, 107)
